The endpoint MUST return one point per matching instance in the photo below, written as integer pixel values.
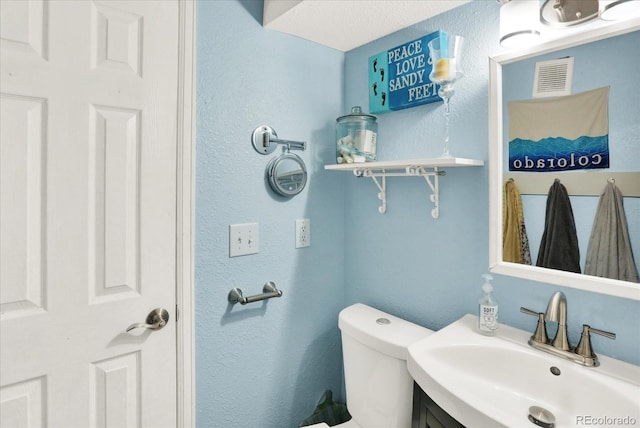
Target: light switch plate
(243, 239)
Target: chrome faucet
(557, 311)
(559, 346)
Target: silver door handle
(156, 319)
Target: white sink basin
(493, 381)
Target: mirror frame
(595, 284)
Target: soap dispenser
(488, 309)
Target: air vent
(553, 78)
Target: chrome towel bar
(268, 291)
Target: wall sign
(559, 134)
(399, 77)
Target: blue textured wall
(264, 364)
(427, 270)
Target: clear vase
(444, 52)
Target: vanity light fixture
(522, 22)
(519, 23)
(613, 10)
(565, 13)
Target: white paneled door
(87, 212)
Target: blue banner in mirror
(399, 77)
(561, 133)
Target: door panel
(21, 201)
(88, 116)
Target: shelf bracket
(382, 185)
(435, 189)
(431, 177)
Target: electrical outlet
(243, 239)
(303, 233)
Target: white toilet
(379, 386)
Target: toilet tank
(374, 348)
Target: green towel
(328, 412)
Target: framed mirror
(287, 174)
(591, 41)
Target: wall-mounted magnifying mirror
(287, 174)
(511, 80)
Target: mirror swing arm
(265, 140)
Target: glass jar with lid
(356, 135)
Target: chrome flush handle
(156, 319)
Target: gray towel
(559, 245)
(609, 254)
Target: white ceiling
(347, 24)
